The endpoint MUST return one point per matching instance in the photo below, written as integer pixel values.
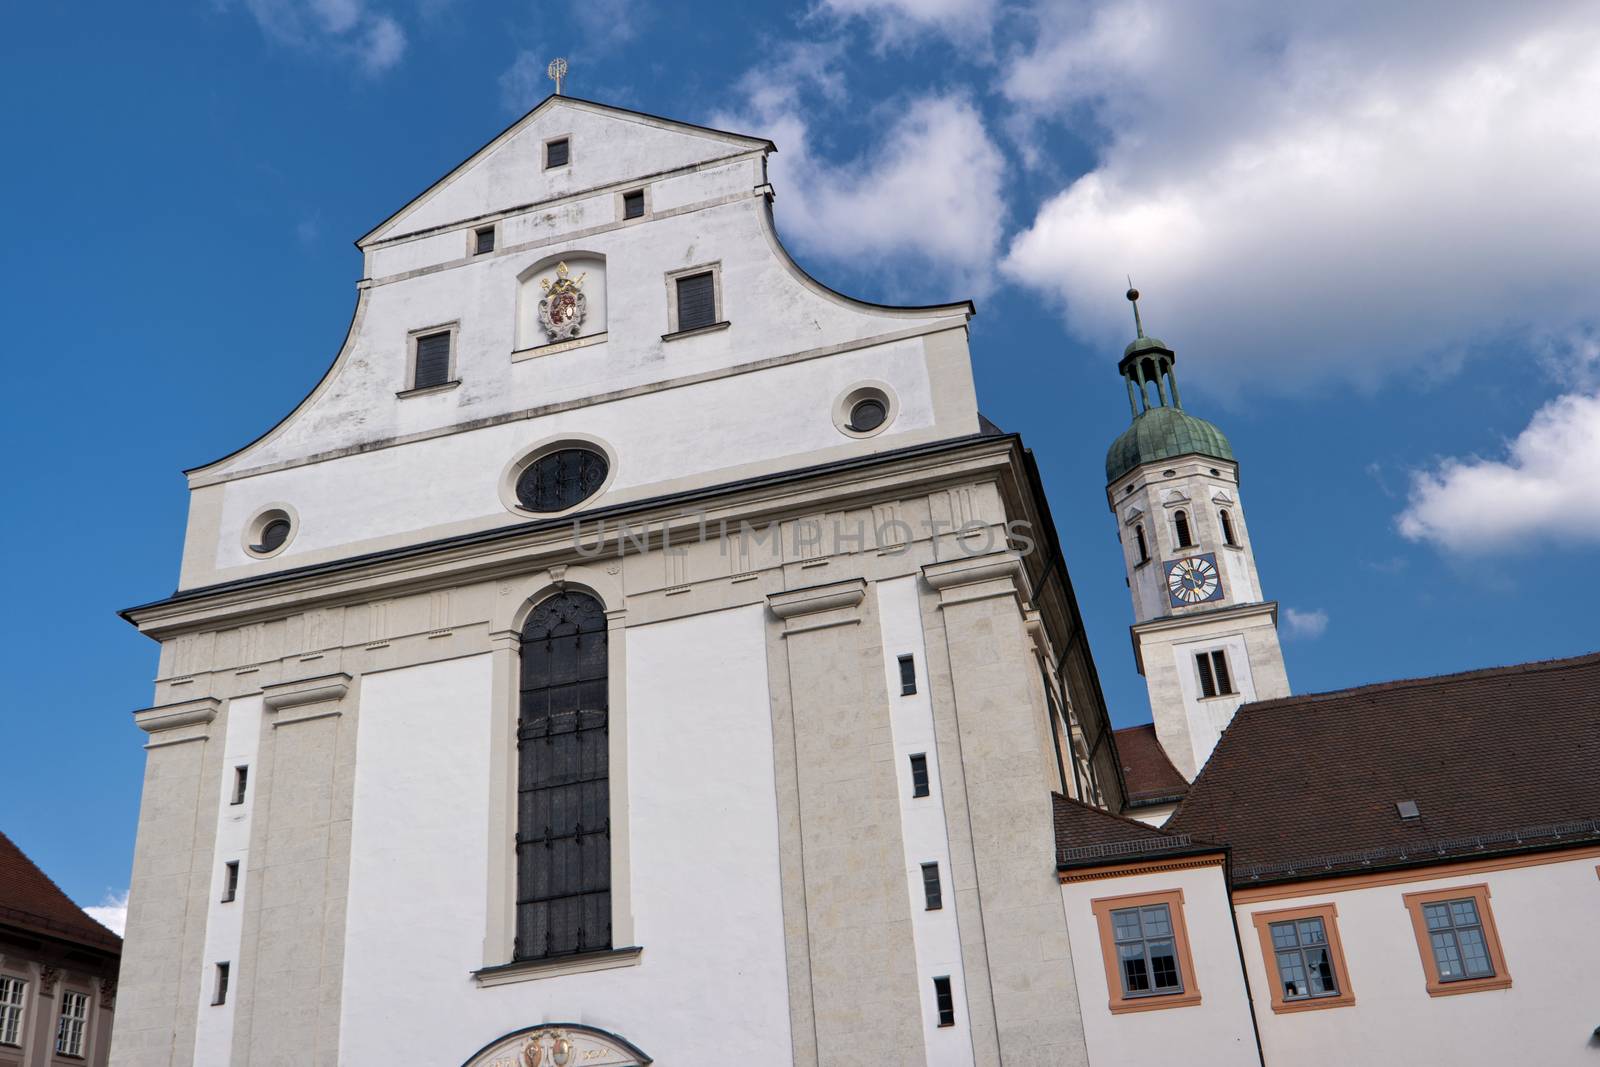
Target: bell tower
(1204, 637)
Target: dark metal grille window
(1180, 522)
(230, 880)
(1227, 527)
(484, 240)
(1214, 677)
(1147, 954)
(946, 1002)
(1456, 933)
(697, 301)
(557, 153)
(931, 893)
(558, 480)
(633, 205)
(908, 675)
(563, 795)
(919, 775)
(433, 360)
(1305, 966)
(1144, 549)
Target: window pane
(1474, 953)
(1126, 924)
(1135, 976)
(1164, 964)
(1446, 955)
(1283, 936)
(1291, 972)
(1311, 932)
(1320, 966)
(1438, 916)
(1157, 922)
(1464, 912)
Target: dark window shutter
(697, 301)
(930, 887)
(556, 153)
(1220, 665)
(919, 775)
(485, 241)
(1181, 521)
(1208, 684)
(633, 205)
(908, 675)
(945, 1001)
(433, 360)
(1144, 550)
(563, 790)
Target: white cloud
(111, 912)
(348, 29)
(895, 21)
(1311, 192)
(523, 84)
(1307, 624)
(1546, 487)
(928, 192)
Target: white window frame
(13, 1005)
(71, 1025)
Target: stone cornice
(327, 687)
(808, 601)
(171, 716)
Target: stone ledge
(531, 970)
(172, 716)
(808, 601)
(305, 691)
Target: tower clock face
(1194, 580)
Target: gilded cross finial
(1133, 298)
(556, 71)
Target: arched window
(1144, 549)
(563, 797)
(1180, 523)
(1227, 526)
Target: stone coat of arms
(562, 308)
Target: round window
(868, 415)
(558, 480)
(267, 533)
(273, 535)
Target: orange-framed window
(1457, 939)
(1304, 958)
(1145, 945)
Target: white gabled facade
(757, 506)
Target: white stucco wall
(935, 935)
(704, 860)
(225, 920)
(1548, 918)
(1213, 1033)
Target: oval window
(558, 480)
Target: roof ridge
(1509, 669)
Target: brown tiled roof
(1497, 761)
(1087, 836)
(1146, 771)
(30, 900)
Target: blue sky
(1368, 232)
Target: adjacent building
(58, 971)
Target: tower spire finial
(1133, 298)
(556, 71)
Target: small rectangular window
(946, 1002)
(483, 240)
(230, 880)
(633, 204)
(919, 775)
(241, 778)
(221, 994)
(69, 1027)
(1147, 954)
(931, 893)
(556, 153)
(1214, 677)
(12, 993)
(697, 301)
(908, 675)
(433, 360)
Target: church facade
(634, 651)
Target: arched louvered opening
(1227, 527)
(563, 792)
(1144, 549)
(1180, 526)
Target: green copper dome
(1163, 433)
